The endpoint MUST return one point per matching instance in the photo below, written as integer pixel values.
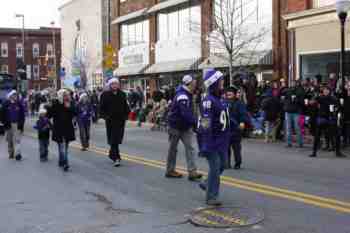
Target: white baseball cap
(187, 79)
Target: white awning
(129, 70)
(165, 5)
(262, 58)
(130, 16)
(173, 66)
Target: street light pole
(342, 17)
(109, 22)
(54, 55)
(342, 7)
(23, 42)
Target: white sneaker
(117, 163)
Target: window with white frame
(19, 50)
(36, 50)
(36, 72)
(4, 49)
(322, 3)
(4, 69)
(49, 50)
(179, 22)
(135, 33)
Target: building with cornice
(307, 39)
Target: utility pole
(55, 81)
(23, 47)
(109, 21)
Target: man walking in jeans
(181, 122)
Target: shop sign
(133, 59)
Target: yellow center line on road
(327, 203)
(242, 182)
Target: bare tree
(236, 32)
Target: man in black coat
(115, 110)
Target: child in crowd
(85, 113)
(238, 118)
(43, 126)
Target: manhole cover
(226, 217)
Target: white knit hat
(112, 80)
(42, 110)
(187, 79)
(82, 96)
(13, 92)
(60, 94)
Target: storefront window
(312, 65)
(135, 33)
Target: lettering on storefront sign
(133, 59)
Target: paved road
(136, 198)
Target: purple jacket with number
(213, 126)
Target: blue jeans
(216, 168)
(292, 121)
(44, 148)
(63, 153)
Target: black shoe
(203, 186)
(19, 157)
(340, 155)
(11, 156)
(66, 168)
(326, 148)
(214, 203)
(194, 176)
(313, 155)
(117, 163)
(61, 163)
(301, 146)
(289, 146)
(331, 149)
(237, 167)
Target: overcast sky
(37, 12)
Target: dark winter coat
(181, 116)
(294, 100)
(115, 110)
(63, 128)
(43, 126)
(272, 108)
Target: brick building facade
(281, 45)
(158, 61)
(39, 55)
(306, 39)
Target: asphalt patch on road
(226, 217)
(109, 204)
